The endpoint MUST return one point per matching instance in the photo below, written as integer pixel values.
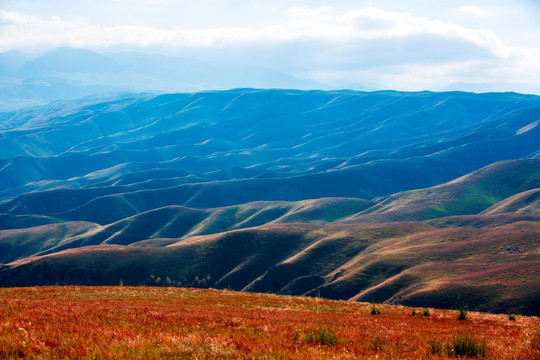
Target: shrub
(466, 345)
(413, 313)
(324, 336)
(462, 313)
(426, 312)
(375, 310)
(512, 317)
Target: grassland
(177, 323)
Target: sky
(402, 45)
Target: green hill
(467, 195)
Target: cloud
(322, 25)
(322, 43)
(474, 11)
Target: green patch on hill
(468, 195)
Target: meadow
(183, 323)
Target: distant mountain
(68, 61)
(68, 73)
(11, 62)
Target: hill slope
(212, 149)
(492, 269)
(501, 185)
(527, 202)
(405, 198)
(172, 222)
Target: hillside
(425, 199)
(168, 222)
(170, 323)
(201, 149)
(493, 268)
(508, 187)
(527, 202)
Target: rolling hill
(493, 269)
(509, 187)
(423, 199)
(212, 149)
(487, 259)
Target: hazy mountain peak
(67, 61)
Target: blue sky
(405, 45)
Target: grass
(377, 343)
(462, 313)
(467, 345)
(436, 347)
(324, 337)
(375, 310)
(461, 345)
(178, 323)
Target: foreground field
(142, 322)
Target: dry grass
(166, 323)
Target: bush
(375, 310)
(426, 312)
(324, 336)
(512, 317)
(462, 313)
(466, 345)
(413, 312)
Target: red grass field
(175, 323)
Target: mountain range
(72, 73)
(69, 73)
(424, 199)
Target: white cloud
(323, 24)
(382, 46)
(474, 11)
